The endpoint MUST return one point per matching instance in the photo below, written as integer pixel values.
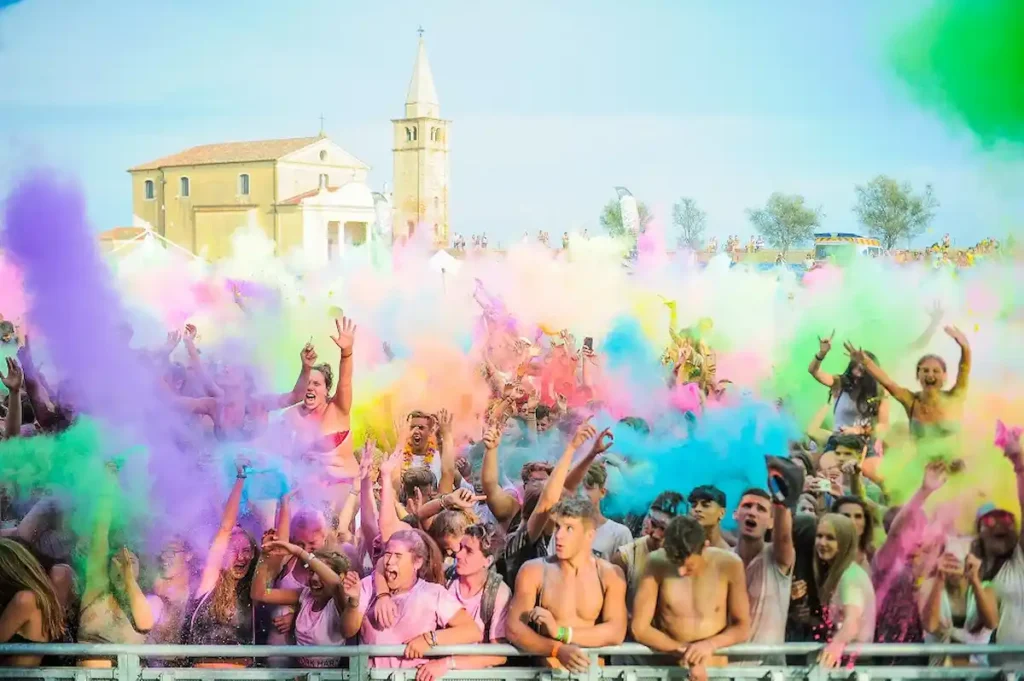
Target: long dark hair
(865, 386)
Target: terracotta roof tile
(297, 199)
(121, 233)
(230, 152)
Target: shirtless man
(326, 422)
(693, 599)
(707, 507)
(569, 601)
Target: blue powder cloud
(724, 446)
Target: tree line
(889, 210)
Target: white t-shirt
(769, 590)
(855, 588)
(474, 606)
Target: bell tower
(421, 167)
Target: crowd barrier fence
(747, 661)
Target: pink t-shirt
(423, 608)
(314, 628)
(473, 605)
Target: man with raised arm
(693, 599)
(572, 600)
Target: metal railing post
(359, 667)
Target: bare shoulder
(23, 601)
(610, 571)
(531, 570)
(726, 560)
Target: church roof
(231, 152)
(421, 101)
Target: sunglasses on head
(997, 518)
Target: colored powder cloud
(965, 59)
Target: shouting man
(696, 594)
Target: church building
(304, 193)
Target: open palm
(346, 336)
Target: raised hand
(351, 587)
(935, 474)
(464, 499)
(366, 462)
(390, 464)
(173, 338)
(308, 356)
(936, 312)
(957, 335)
(603, 442)
(190, 335)
(491, 439)
(585, 432)
(825, 344)
(15, 378)
(346, 335)
(856, 354)
(444, 422)
(972, 568)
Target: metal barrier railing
(746, 661)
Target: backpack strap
(487, 603)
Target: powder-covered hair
(576, 507)
(423, 547)
(684, 537)
(328, 374)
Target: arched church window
(414, 133)
(408, 134)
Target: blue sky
(553, 104)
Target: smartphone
(824, 486)
(959, 546)
(588, 343)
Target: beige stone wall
(421, 176)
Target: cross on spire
(321, 125)
(420, 32)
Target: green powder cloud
(965, 59)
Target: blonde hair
(224, 599)
(827, 575)
(20, 571)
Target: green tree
(611, 217)
(691, 222)
(892, 211)
(785, 221)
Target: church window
(433, 134)
(323, 181)
(243, 184)
(323, 154)
(414, 133)
(408, 134)
(150, 190)
(184, 190)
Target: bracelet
(556, 648)
(560, 636)
(432, 638)
(344, 356)
(820, 359)
(568, 637)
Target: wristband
(560, 636)
(556, 648)
(820, 359)
(568, 636)
(344, 356)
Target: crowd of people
(418, 541)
